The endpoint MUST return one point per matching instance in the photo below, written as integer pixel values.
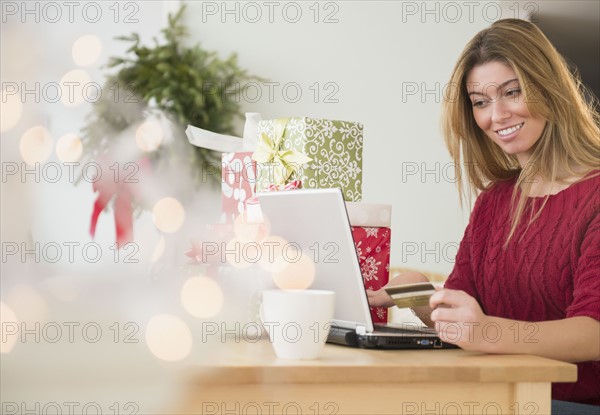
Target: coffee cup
(297, 321)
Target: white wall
(380, 58)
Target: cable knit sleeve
(586, 276)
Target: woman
(527, 274)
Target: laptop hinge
(361, 330)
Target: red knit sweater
(552, 273)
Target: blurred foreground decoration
(135, 135)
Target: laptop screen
(316, 221)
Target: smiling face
(500, 110)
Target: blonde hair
(570, 142)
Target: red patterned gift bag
(372, 239)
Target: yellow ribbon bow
(285, 162)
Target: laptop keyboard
(407, 328)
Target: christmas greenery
(188, 84)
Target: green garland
(190, 85)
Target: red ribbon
(293, 185)
(110, 186)
(195, 253)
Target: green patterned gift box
(320, 153)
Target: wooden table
(247, 378)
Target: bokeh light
(27, 303)
(272, 259)
(168, 215)
(249, 231)
(86, 50)
(36, 145)
(9, 324)
(77, 88)
(168, 337)
(11, 109)
(242, 254)
(202, 297)
(299, 272)
(149, 135)
(69, 148)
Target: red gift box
(238, 183)
(373, 250)
(206, 251)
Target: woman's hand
(379, 298)
(459, 319)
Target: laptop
(315, 221)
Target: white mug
(298, 322)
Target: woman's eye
(478, 103)
(513, 92)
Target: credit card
(411, 295)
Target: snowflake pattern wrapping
(373, 249)
(335, 152)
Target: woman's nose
(500, 111)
